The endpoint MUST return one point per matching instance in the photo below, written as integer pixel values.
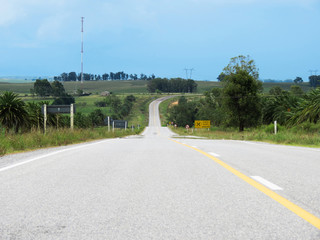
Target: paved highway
(157, 186)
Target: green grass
(297, 136)
(121, 87)
(13, 143)
(286, 136)
(33, 140)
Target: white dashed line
(214, 154)
(266, 183)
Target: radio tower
(82, 18)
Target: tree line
(176, 85)
(19, 116)
(240, 102)
(73, 76)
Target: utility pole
(188, 69)
(191, 72)
(186, 72)
(82, 19)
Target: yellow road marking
(315, 221)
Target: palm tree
(309, 109)
(13, 114)
(35, 115)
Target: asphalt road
(156, 186)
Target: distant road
(156, 186)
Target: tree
(42, 88)
(314, 80)
(13, 114)
(35, 114)
(97, 118)
(240, 92)
(279, 107)
(242, 63)
(221, 77)
(184, 113)
(64, 99)
(308, 109)
(210, 107)
(296, 90)
(298, 80)
(72, 76)
(57, 89)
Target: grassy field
(122, 87)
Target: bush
(100, 103)
(270, 128)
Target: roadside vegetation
(242, 110)
(21, 121)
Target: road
(157, 186)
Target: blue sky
(43, 38)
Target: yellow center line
(315, 221)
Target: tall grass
(33, 140)
(285, 136)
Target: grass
(304, 135)
(121, 87)
(286, 136)
(13, 143)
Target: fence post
(45, 118)
(71, 117)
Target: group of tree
(19, 116)
(173, 85)
(119, 109)
(73, 76)
(240, 102)
(43, 88)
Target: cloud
(9, 12)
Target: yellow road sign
(202, 123)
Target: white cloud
(9, 12)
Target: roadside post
(45, 118)
(71, 117)
(112, 126)
(108, 124)
(275, 127)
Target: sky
(161, 37)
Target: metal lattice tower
(82, 19)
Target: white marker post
(275, 127)
(71, 117)
(108, 124)
(45, 118)
(113, 126)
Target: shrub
(270, 128)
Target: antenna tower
(82, 19)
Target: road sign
(202, 123)
(59, 109)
